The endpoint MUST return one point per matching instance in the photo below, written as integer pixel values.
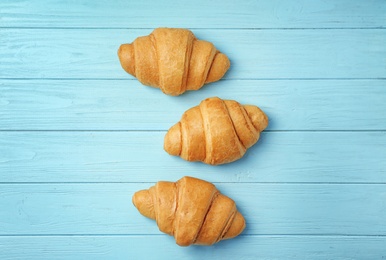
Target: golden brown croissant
(173, 60)
(215, 132)
(191, 210)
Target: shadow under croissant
(251, 155)
(230, 244)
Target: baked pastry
(215, 132)
(173, 60)
(191, 210)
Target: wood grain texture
(327, 157)
(247, 247)
(254, 54)
(196, 14)
(274, 209)
(128, 105)
(78, 135)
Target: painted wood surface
(104, 208)
(194, 14)
(295, 105)
(254, 54)
(78, 136)
(137, 156)
(161, 247)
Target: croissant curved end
(258, 117)
(236, 228)
(127, 58)
(143, 202)
(219, 67)
(172, 141)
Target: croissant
(191, 210)
(215, 132)
(173, 60)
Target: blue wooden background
(78, 136)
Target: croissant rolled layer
(192, 210)
(216, 131)
(173, 60)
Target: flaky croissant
(173, 60)
(191, 210)
(215, 132)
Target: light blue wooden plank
(270, 209)
(197, 14)
(254, 54)
(160, 247)
(329, 157)
(128, 105)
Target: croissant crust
(173, 60)
(192, 210)
(216, 131)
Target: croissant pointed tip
(237, 227)
(126, 56)
(259, 118)
(220, 66)
(143, 202)
(264, 120)
(172, 141)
